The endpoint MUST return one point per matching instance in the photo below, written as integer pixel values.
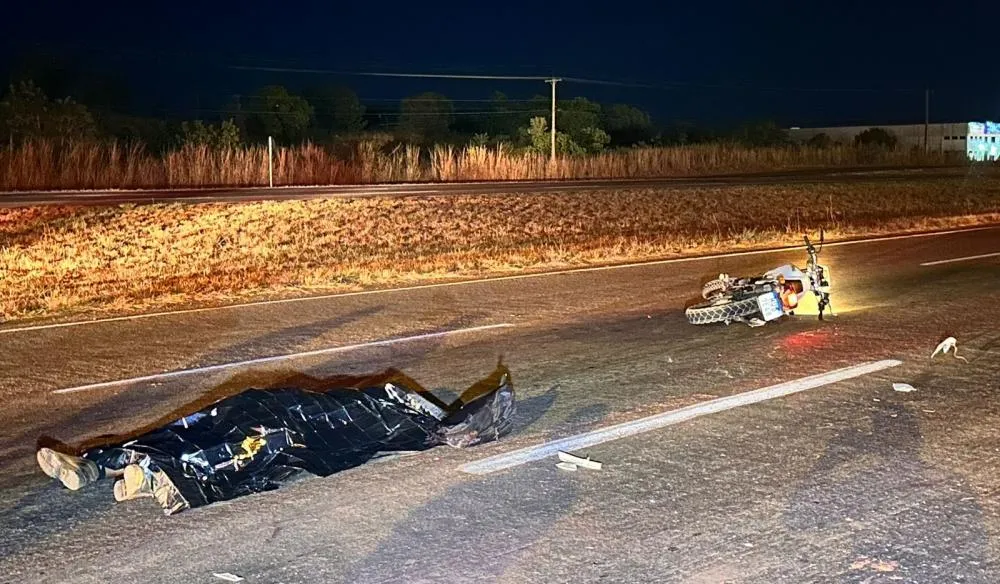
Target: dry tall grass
(49, 165)
(126, 258)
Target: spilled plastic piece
(755, 322)
(259, 439)
(228, 577)
(576, 460)
(569, 466)
(903, 387)
(947, 345)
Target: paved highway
(116, 197)
(846, 481)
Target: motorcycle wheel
(714, 311)
(713, 288)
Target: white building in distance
(979, 140)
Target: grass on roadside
(129, 258)
(51, 165)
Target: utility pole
(270, 162)
(553, 82)
(927, 119)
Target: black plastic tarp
(259, 438)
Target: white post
(270, 161)
(552, 130)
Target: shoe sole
(52, 464)
(119, 491)
(49, 462)
(135, 483)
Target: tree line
(335, 114)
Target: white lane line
(965, 259)
(276, 358)
(540, 451)
(479, 281)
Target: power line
(410, 99)
(667, 85)
(455, 113)
(670, 85)
(376, 74)
(396, 114)
(311, 99)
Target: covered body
(255, 440)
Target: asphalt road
(848, 482)
(117, 197)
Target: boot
(166, 494)
(134, 484)
(73, 471)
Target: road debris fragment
(903, 387)
(722, 371)
(576, 460)
(875, 564)
(884, 566)
(227, 577)
(947, 345)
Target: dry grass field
(47, 165)
(130, 258)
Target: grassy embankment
(123, 259)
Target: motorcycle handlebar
(809, 243)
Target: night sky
(798, 63)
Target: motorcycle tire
(713, 288)
(712, 312)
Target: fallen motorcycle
(760, 299)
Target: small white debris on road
(577, 461)
(947, 345)
(228, 577)
(903, 387)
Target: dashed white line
(540, 451)
(965, 259)
(276, 358)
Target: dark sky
(798, 62)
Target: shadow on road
(474, 531)
(898, 516)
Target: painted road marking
(479, 281)
(965, 259)
(540, 451)
(277, 358)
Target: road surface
(848, 481)
(210, 195)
